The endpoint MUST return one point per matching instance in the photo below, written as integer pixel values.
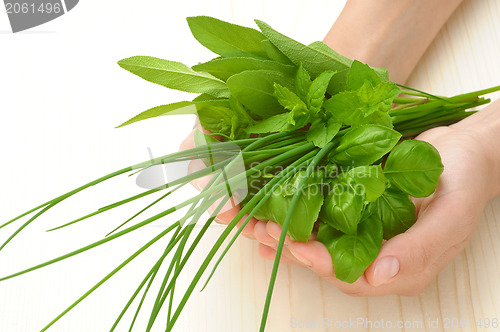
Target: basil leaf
(215, 117)
(302, 83)
(414, 166)
(290, 186)
(240, 120)
(317, 90)
(371, 179)
(299, 115)
(379, 97)
(274, 53)
(224, 68)
(315, 58)
(174, 75)
(255, 90)
(359, 74)
(356, 107)
(226, 39)
(364, 145)
(345, 108)
(322, 131)
(352, 254)
(378, 117)
(397, 212)
(343, 206)
(305, 215)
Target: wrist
(387, 33)
(484, 126)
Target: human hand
(229, 212)
(446, 220)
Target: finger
(188, 142)
(263, 236)
(274, 230)
(269, 253)
(249, 228)
(444, 223)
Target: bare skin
(385, 32)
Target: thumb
(442, 225)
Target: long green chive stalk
(302, 122)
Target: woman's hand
(445, 222)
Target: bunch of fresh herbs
(325, 143)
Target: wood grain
(465, 56)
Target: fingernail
(301, 259)
(385, 270)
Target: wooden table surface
(465, 296)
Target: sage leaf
(274, 53)
(352, 253)
(223, 68)
(182, 107)
(415, 167)
(396, 211)
(322, 131)
(255, 90)
(364, 145)
(227, 39)
(316, 58)
(174, 75)
(276, 123)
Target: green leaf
(352, 254)
(302, 83)
(255, 90)
(174, 75)
(277, 123)
(226, 39)
(379, 97)
(371, 179)
(343, 206)
(182, 107)
(274, 53)
(364, 145)
(397, 212)
(240, 120)
(345, 108)
(359, 74)
(305, 214)
(415, 167)
(357, 107)
(223, 68)
(317, 90)
(380, 118)
(215, 117)
(290, 186)
(315, 58)
(322, 132)
(299, 114)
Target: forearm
(392, 34)
(485, 127)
